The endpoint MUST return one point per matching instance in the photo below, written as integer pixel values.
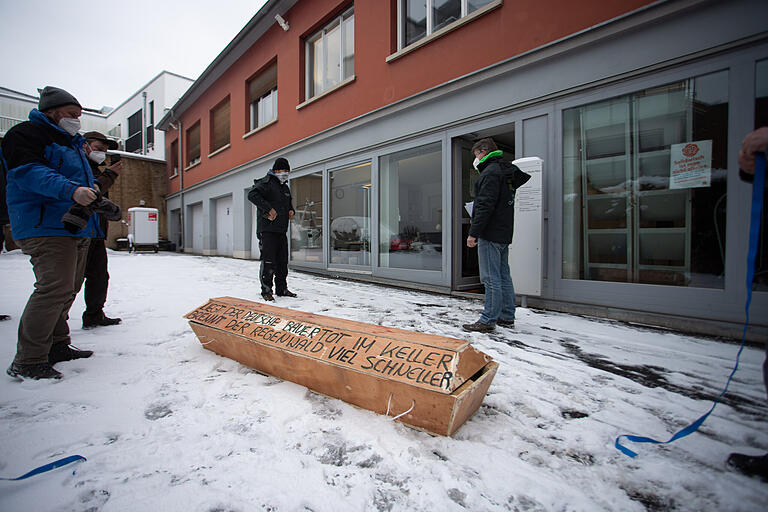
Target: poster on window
(690, 164)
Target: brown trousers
(59, 264)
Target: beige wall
(140, 179)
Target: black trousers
(96, 277)
(274, 261)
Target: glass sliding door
(307, 224)
(410, 204)
(644, 186)
(350, 210)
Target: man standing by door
(493, 222)
(272, 198)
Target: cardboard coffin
(426, 381)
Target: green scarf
(498, 152)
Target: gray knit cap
(52, 97)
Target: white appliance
(144, 226)
(525, 261)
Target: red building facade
(497, 31)
(376, 104)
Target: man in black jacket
(96, 274)
(493, 221)
(272, 198)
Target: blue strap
(754, 232)
(47, 467)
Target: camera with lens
(77, 216)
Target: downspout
(181, 180)
(144, 125)
(181, 185)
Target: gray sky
(103, 52)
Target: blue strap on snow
(48, 467)
(758, 187)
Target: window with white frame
(330, 54)
(262, 97)
(421, 18)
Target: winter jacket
(3, 205)
(493, 215)
(45, 166)
(105, 179)
(268, 193)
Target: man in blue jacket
(493, 223)
(47, 173)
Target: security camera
(282, 22)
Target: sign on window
(690, 164)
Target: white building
(132, 123)
(142, 110)
(15, 107)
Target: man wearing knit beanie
(48, 173)
(52, 97)
(272, 197)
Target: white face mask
(98, 156)
(282, 176)
(476, 163)
(69, 125)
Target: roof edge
(248, 35)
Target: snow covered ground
(168, 426)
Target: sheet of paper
(690, 164)
(469, 206)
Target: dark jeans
(58, 263)
(493, 258)
(96, 278)
(274, 261)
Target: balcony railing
(6, 123)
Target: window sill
(193, 164)
(445, 30)
(174, 175)
(327, 92)
(259, 128)
(222, 148)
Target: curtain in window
(262, 83)
(220, 126)
(193, 144)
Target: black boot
(751, 465)
(286, 293)
(66, 352)
(268, 296)
(4, 317)
(33, 371)
(91, 320)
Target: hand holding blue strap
(758, 186)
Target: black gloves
(77, 216)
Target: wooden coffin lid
(437, 363)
